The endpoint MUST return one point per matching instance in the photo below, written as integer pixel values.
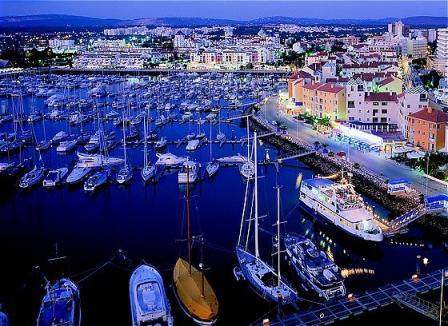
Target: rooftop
(431, 115)
(382, 96)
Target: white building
(134, 30)
(441, 59)
(179, 40)
(61, 44)
(416, 48)
(264, 55)
(228, 31)
(297, 47)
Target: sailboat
(43, 145)
(192, 289)
(212, 166)
(149, 302)
(221, 137)
(263, 278)
(149, 170)
(124, 175)
(61, 305)
(33, 176)
(247, 169)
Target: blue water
(146, 222)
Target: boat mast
(124, 144)
(145, 143)
(248, 136)
(210, 141)
(257, 253)
(278, 236)
(188, 219)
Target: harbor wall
(366, 182)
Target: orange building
(295, 83)
(325, 100)
(427, 128)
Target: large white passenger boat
(339, 204)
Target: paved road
(370, 160)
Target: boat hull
(308, 207)
(252, 267)
(67, 311)
(149, 303)
(203, 309)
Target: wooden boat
(193, 292)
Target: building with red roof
(428, 129)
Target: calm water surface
(146, 222)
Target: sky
(234, 9)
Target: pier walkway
(344, 308)
(433, 204)
(293, 155)
(419, 305)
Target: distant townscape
(115, 134)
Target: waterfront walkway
(370, 162)
(345, 308)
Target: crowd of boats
(149, 301)
(134, 109)
(97, 110)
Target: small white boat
(124, 175)
(148, 172)
(55, 177)
(161, 143)
(60, 136)
(188, 173)
(78, 174)
(97, 180)
(32, 177)
(66, 146)
(212, 168)
(42, 145)
(169, 159)
(149, 302)
(233, 159)
(221, 136)
(192, 145)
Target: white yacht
(192, 145)
(55, 177)
(97, 160)
(188, 173)
(232, 159)
(169, 159)
(66, 146)
(60, 136)
(78, 174)
(339, 204)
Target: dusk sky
(360, 9)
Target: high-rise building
(441, 58)
(228, 31)
(61, 44)
(398, 29)
(179, 40)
